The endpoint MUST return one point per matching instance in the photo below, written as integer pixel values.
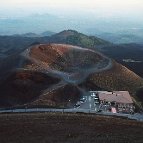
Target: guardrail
(136, 116)
(73, 110)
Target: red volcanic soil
(44, 53)
(62, 57)
(24, 86)
(49, 53)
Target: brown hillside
(61, 97)
(24, 86)
(117, 78)
(51, 75)
(64, 57)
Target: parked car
(96, 101)
(93, 95)
(95, 98)
(82, 100)
(76, 105)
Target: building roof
(115, 96)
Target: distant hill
(124, 52)
(47, 33)
(78, 39)
(10, 45)
(27, 35)
(121, 38)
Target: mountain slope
(117, 78)
(129, 55)
(10, 45)
(46, 75)
(78, 39)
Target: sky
(83, 15)
(64, 7)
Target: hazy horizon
(104, 8)
(20, 16)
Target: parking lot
(88, 102)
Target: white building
(119, 100)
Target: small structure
(116, 101)
(93, 93)
(113, 110)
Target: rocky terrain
(68, 128)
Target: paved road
(137, 116)
(88, 104)
(86, 107)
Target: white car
(96, 98)
(96, 102)
(76, 105)
(82, 100)
(93, 95)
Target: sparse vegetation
(68, 128)
(79, 39)
(117, 78)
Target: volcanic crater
(52, 75)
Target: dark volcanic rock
(24, 86)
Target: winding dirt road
(76, 75)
